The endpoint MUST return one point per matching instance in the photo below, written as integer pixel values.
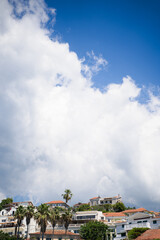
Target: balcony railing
(137, 225)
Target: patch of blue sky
(126, 33)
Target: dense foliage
(67, 195)
(104, 208)
(5, 202)
(83, 207)
(135, 232)
(6, 236)
(66, 218)
(119, 207)
(93, 230)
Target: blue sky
(88, 126)
(126, 33)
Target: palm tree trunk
(66, 233)
(27, 231)
(18, 232)
(53, 232)
(42, 235)
(15, 230)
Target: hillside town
(57, 220)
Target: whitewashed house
(107, 200)
(8, 222)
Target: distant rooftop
(57, 232)
(94, 198)
(55, 202)
(149, 235)
(114, 214)
(135, 210)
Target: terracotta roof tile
(52, 202)
(57, 232)
(114, 214)
(135, 210)
(150, 235)
(94, 198)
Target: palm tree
(19, 215)
(29, 213)
(54, 217)
(42, 217)
(66, 219)
(67, 195)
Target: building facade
(107, 200)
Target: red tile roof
(150, 235)
(56, 232)
(114, 214)
(52, 202)
(135, 210)
(94, 198)
(156, 213)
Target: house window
(86, 217)
(123, 226)
(3, 220)
(139, 221)
(13, 212)
(123, 234)
(48, 238)
(110, 201)
(145, 221)
(2, 213)
(154, 221)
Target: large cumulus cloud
(58, 132)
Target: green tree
(66, 218)
(83, 207)
(42, 217)
(29, 213)
(54, 217)
(94, 230)
(119, 207)
(108, 207)
(6, 236)
(67, 195)
(5, 202)
(135, 232)
(19, 216)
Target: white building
(86, 216)
(136, 220)
(59, 203)
(107, 200)
(8, 222)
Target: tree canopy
(83, 207)
(6, 236)
(5, 202)
(93, 230)
(118, 207)
(135, 232)
(67, 195)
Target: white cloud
(58, 132)
(92, 64)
